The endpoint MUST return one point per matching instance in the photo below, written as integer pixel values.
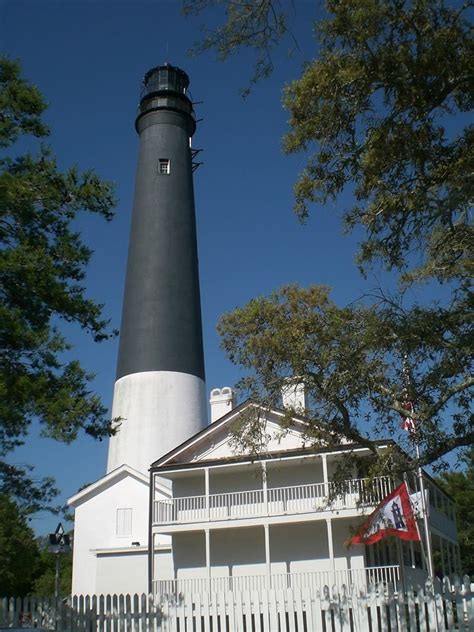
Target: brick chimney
(222, 401)
(293, 395)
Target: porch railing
(362, 577)
(276, 501)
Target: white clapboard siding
(305, 609)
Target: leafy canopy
(349, 362)
(27, 566)
(380, 113)
(382, 107)
(460, 485)
(45, 582)
(42, 270)
(19, 554)
(257, 24)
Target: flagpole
(429, 551)
(421, 484)
(401, 565)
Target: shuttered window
(124, 521)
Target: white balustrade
(296, 499)
(361, 577)
(185, 509)
(360, 492)
(289, 500)
(384, 574)
(246, 504)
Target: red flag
(393, 516)
(408, 422)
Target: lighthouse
(159, 396)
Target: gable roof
(274, 455)
(205, 436)
(110, 479)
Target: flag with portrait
(392, 517)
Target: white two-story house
(270, 521)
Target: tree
(27, 566)
(42, 270)
(460, 485)
(19, 553)
(349, 361)
(376, 106)
(260, 25)
(382, 108)
(45, 583)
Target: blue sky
(88, 58)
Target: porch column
(265, 488)
(401, 565)
(268, 569)
(151, 535)
(208, 554)
(450, 565)
(324, 461)
(151, 565)
(412, 554)
(443, 562)
(331, 547)
(206, 492)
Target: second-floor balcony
(271, 501)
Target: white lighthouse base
(158, 410)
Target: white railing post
(206, 492)
(265, 488)
(324, 461)
(267, 556)
(443, 561)
(330, 546)
(208, 556)
(412, 555)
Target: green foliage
(26, 564)
(19, 554)
(45, 584)
(257, 24)
(460, 485)
(378, 108)
(21, 105)
(383, 106)
(380, 113)
(349, 362)
(42, 271)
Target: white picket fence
(380, 609)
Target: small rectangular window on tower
(163, 166)
(124, 521)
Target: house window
(124, 521)
(163, 166)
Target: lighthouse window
(163, 166)
(124, 521)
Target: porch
(271, 501)
(358, 577)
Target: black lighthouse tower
(160, 391)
